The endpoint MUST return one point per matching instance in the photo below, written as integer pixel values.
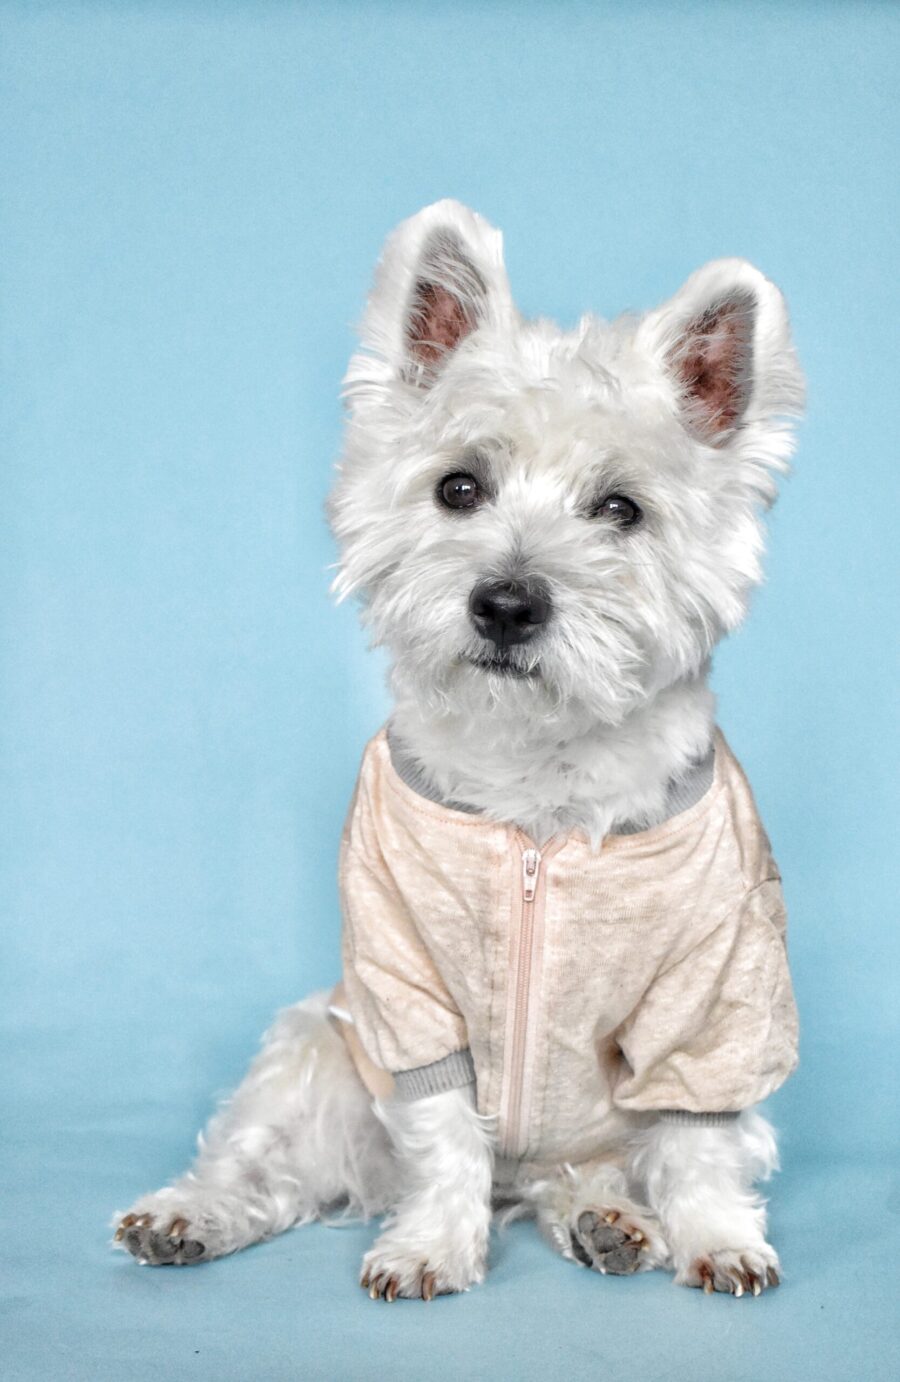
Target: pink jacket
(575, 986)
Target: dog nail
(611, 1217)
(774, 1278)
(391, 1289)
(757, 1287)
(428, 1286)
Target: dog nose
(509, 612)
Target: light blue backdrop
(193, 199)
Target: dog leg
(436, 1240)
(588, 1216)
(298, 1135)
(699, 1180)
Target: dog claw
(383, 1287)
(176, 1228)
(744, 1276)
(611, 1217)
(124, 1224)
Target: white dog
(565, 982)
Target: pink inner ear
(438, 322)
(714, 363)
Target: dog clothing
(572, 985)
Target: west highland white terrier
(565, 983)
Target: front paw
(398, 1265)
(737, 1271)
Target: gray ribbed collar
(682, 792)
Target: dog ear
(724, 343)
(441, 277)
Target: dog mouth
(502, 664)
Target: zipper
(525, 965)
(531, 866)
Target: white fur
(296, 1138)
(610, 703)
(557, 418)
(699, 1181)
(441, 1224)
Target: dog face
(537, 518)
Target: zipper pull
(531, 867)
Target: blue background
(194, 198)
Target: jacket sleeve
(717, 1030)
(406, 1020)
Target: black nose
(509, 612)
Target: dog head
(537, 518)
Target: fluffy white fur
(685, 411)
(436, 1239)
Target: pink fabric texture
(650, 974)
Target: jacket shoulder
(373, 798)
(753, 844)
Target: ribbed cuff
(697, 1120)
(452, 1072)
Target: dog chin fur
(685, 410)
(518, 755)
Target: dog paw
(736, 1271)
(394, 1267)
(160, 1243)
(616, 1243)
(161, 1233)
(388, 1281)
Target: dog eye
(622, 510)
(460, 492)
